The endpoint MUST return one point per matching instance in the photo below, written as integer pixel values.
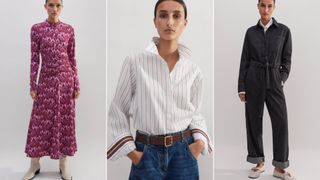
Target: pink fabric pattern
(52, 124)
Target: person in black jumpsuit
(264, 68)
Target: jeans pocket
(141, 148)
(189, 153)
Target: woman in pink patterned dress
(52, 125)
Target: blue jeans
(160, 163)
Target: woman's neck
(53, 20)
(168, 50)
(265, 21)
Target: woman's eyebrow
(163, 11)
(55, 3)
(166, 11)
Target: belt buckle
(165, 141)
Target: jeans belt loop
(148, 139)
(182, 135)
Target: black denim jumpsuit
(265, 66)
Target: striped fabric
(156, 101)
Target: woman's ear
(185, 22)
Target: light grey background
(232, 18)
(89, 21)
(130, 29)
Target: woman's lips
(169, 31)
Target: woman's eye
(176, 16)
(163, 15)
(55, 5)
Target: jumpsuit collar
(273, 20)
(265, 27)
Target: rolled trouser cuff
(281, 165)
(255, 160)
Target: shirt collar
(267, 25)
(184, 52)
(270, 23)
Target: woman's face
(266, 8)
(169, 20)
(53, 8)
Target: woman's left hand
(196, 148)
(76, 94)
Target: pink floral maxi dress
(52, 125)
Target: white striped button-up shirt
(157, 101)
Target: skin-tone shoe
(283, 175)
(64, 169)
(33, 170)
(256, 171)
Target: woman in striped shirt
(159, 91)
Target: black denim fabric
(271, 51)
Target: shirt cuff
(242, 92)
(121, 148)
(207, 146)
(199, 136)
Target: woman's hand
(196, 148)
(33, 95)
(76, 94)
(242, 97)
(135, 156)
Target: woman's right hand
(135, 156)
(242, 97)
(33, 95)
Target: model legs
(33, 170)
(64, 168)
(254, 115)
(276, 105)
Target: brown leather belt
(164, 140)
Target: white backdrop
(89, 21)
(130, 29)
(232, 18)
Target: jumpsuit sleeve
(198, 124)
(286, 57)
(72, 60)
(122, 141)
(244, 64)
(35, 58)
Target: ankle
(35, 161)
(279, 170)
(260, 165)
